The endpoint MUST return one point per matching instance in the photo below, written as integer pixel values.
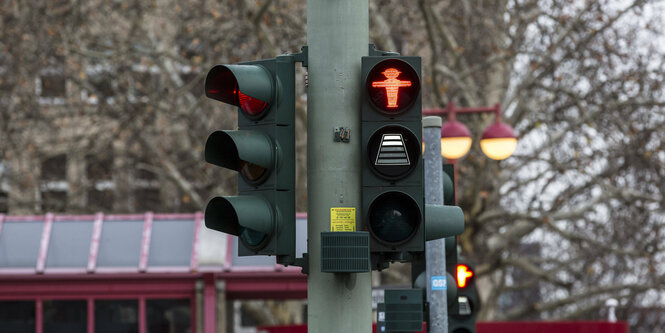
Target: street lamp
(455, 136)
(498, 141)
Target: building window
(103, 88)
(116, 316)
(4, 201)
(102, 85)
(54, 185)
(17, 316)
(146, 191)
(65, 316)
(168, 315)
(98, 171)
(4, 188)
(51, 86)
(111, 316)
(144, 83)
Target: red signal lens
(392, 86)
(222, 85)
(250, 105)
(464, 274)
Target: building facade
(131, 273)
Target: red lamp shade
(455, 140)
(498, 141)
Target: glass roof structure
(140, 243)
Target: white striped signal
(392, 151)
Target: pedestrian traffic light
(392, 168)
(262, 150)
(394, 211)
(464, 319)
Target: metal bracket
(342, 134)
(303, 263)
(302, 56)
(374, 52)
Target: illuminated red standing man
(392, 85)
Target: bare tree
(129, 78)
(578, 82)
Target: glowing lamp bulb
(498, 141)
(455, 140)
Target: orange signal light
(464, 274)
(392, 85)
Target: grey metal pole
(435, 250)
(337, 38)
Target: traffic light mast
(435, 256)
(337, 38)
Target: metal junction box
(345, 252)
(402, 311)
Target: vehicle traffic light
(451, 242)
(464, 319)
(262, 150)
(394, 211)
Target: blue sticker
(439, 283)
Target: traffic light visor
(443, 221)
(249, 87)
(392, 86)
(249, 152)
(248, 217)
(394, 218)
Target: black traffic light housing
(392, 170)
(262, 150)
(468, 302)
(451, 242)
(394, 210)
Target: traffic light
(262, 150)
(451, 242)
(394, 211)
(464, 319)
(392, 176)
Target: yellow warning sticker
(342, 219)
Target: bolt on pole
(337, 38)
(435, 250)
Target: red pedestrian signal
(464, 275)
(392, 86)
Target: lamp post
(497, 142)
